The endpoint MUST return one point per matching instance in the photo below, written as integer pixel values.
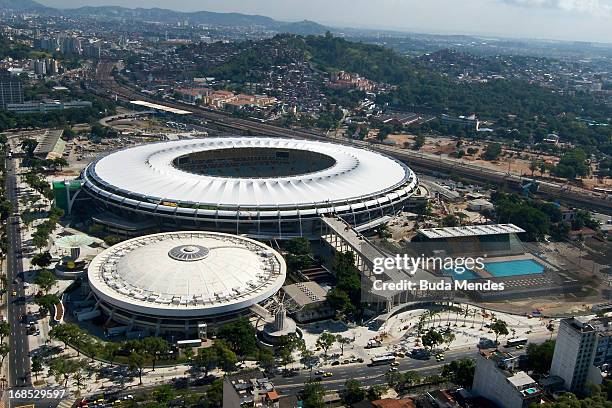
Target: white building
(574, 354)
(259, 186)
(172, 282)
(496, 379)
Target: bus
(382, 360)
(521, 341)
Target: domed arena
(171, 282)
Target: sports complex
(172, 282)
(258, 186)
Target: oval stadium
(171, 282)
(258, 186)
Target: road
(367, 375)
(19, 362)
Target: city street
(19, 362)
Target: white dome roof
(187, 274)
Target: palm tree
(465, 315)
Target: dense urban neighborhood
(205, 209)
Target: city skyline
(569, 20)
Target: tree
(419, 142)
(64, 368)
(4, 350)
(343, 341)
(492, 151)
(431, 339)
(207, 359)
(411, 378)
(37, 366)
(500, 328)
(40, 241)
(461, 372)
(313, 394)
(45, 279)
(286, 357)
(5, 330)
(60, 162)
(395, 379)
(325, 341)
(227, 358)
(240, 336)
(47, 302)
(540, 356)
(375, 392)
(353, 392)
(163, 394)
(448, 337)
(214, 395)
(111, 350)
(265, 359)
(42, 260)
(65, 332)
(137, 361)
(155, 347)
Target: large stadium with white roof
(174, 281)
(258, 186)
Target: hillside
(22, 5)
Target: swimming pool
(514, 268)
(457, 274)
(500, 269)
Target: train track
(574, 196)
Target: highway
(19, 362)
(106, 86)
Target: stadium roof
(186, 274)
(161, 107)
(470, 231)
(149, 172)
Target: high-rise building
(40, 67)
(48, 44)
(603, 350)
(70, 45)
(92, 50)
(11, 89)
(574, 354)
(52, 66)
(496, 379)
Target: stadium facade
(258, 186)
(172, 282)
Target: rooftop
(201, 273)
(470, 231)
(305, 293)
(163, 108)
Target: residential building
(496, 379)
(574, 354)
(44, 107)
(603, 350)
(11, 89)
(70, 45)
(40, 67)
(249, 389)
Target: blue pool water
(514, 268)
(468, 274)
(500, 269)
